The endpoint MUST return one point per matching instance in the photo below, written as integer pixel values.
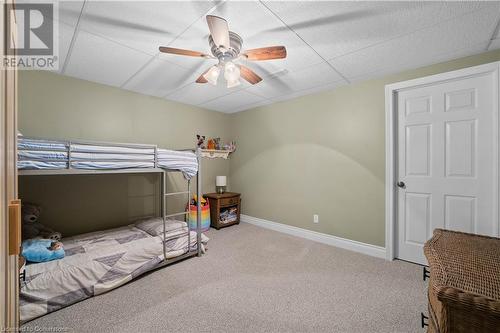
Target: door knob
(401, 184)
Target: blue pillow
(38, 250)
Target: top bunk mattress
(39, 154)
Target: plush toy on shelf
(217, 143)
(31, 228)
(201, 141)
(211, 144)
(231, 146)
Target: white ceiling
(329, 44)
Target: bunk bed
(99, 261)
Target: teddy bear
(31, 228)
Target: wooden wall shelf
(214, 153)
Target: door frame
(391, 135)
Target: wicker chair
(464, 287)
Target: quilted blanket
(95, 263)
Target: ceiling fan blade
(201, 78)
(249, 75)
(266, 53)
(219, 30)
(173, 50)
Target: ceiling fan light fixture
(233, 83)
(226, 47)
(212, 75)
(231, 72)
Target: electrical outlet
(316, 218)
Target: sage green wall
(318, 154)
(322, 154)
(55, 106)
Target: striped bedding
(96, 263)
(41, 154)
(186, 161)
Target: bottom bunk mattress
(95, 263)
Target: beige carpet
(257, 280)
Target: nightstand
(224, 209)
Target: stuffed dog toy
(41, 250)
(201, 141)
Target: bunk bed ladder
(164, 195)
(198, 202)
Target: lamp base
(220, 189)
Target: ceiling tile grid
(116, 43)
(97, 59)
(426, 60)
(142, 25)
(197, 94)
(159, 77)
(308, 77)
(233, 101)
(452, 35)
(309, 91)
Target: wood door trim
(15, 227)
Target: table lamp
(220, 184)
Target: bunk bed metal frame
(69, 170)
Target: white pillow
(154, 225)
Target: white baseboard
(347, 244)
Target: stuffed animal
(217, 143)
(211, 144)
(231, 146)
(31, 228)
(41, 250)
(201, 141)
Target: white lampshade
(231, 72)
(220, 181)
(234, 83)
(212, 75)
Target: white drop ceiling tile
(158, 78)
(143, 25)
(97, 59)
(255, 24)
(457, 34)
(250, 106)
(451, 9)
(65, 35)
(230, 103)
(69, 11)
(495, 44)
(196, 93)
(306, 78)
(315, 90)
(67, 17)
(337, 28)
(334, 28)
(422, 62)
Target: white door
(447, 161)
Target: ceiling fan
(225, 46)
